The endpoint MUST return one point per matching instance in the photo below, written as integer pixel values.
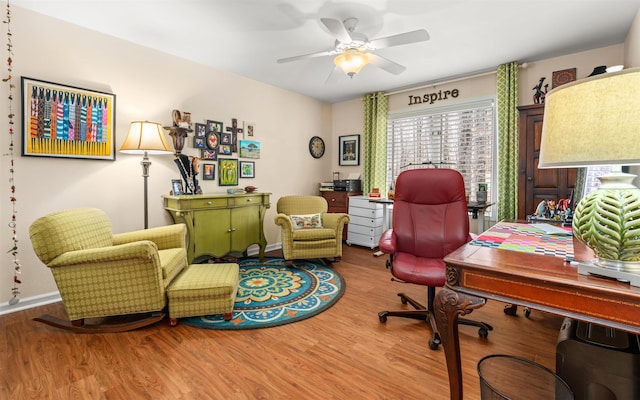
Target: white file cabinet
(366, 222)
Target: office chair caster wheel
(510, 309)
(527, 312)
(382, 316)
(483, 333)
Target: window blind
(459, 137)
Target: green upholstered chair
(101, 274)
(309, 237)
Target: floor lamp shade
(596, 121)
(145, 138)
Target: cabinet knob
(249, 200)
(333, 199)
(209, 202)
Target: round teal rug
(270, 294)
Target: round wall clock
(316, 147)
(212, 140)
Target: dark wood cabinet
(535, 185)
(339, 203)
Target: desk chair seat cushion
(419, 270)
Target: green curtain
(507, 102)
(376, 107)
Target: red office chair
(430, 220)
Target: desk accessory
(594, 121)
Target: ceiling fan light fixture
(351, 61)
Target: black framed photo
(44, 135)
(227, 171)
(215, 126)
(247, 169)
(212, 140)
(198, 142)
(200, 131)
(176, 187)
(349, 150)
(225, 138)
(225, 149)
(207, 154)
(209, 172)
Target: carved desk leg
(448, 306)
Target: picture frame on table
(208, 172)
(46, 136)
(349, 150)
(228, 171)
(247, 169)
(176, 187)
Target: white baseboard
(48, 298)
(30, 302)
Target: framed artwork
(208, 154)
(200, 131)
(225, 138)
(225, 149)
(212, 139)
(209, 172)
(176, 187)
(249, 149)
(227, 171)
(61, 132)
(349, 150)
(249, 128)
(247, 169)
(198, 142)
(561, 77)
(215, 126)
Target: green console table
(218, 224)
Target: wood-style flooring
(342, 353)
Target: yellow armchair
(101, 274)
(308, 230)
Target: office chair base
(423, 314)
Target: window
(459, 137)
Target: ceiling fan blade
(333, 75)
(337, 29)
(306, 56)
(386, 64)
(403, 38)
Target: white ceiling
(248, 36)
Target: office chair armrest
(387, 242)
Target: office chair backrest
(430, 216)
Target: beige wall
(148, 85)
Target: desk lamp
(145, 138)
(596, 121)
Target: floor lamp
(145, 138)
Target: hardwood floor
(343, 353)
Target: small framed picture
(224, 150)
(208, 154)
(201, 130)
(225, 138)
(349, 150)
(249, 128)
(249, 149)
(247, 169)
(198, 142)
(227, 172)
(176, 187)
(209, 172)
(212, 140)
(215, 126)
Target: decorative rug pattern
(271, 294)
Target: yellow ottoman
(203, 289)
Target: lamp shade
(351, 61)
(593, 121)
(145, 136)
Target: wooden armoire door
(535, 185)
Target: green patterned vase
(608, 221)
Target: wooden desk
(546, 283)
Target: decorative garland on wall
(8, 79)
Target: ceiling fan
(353, 50)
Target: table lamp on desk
(595, 121)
